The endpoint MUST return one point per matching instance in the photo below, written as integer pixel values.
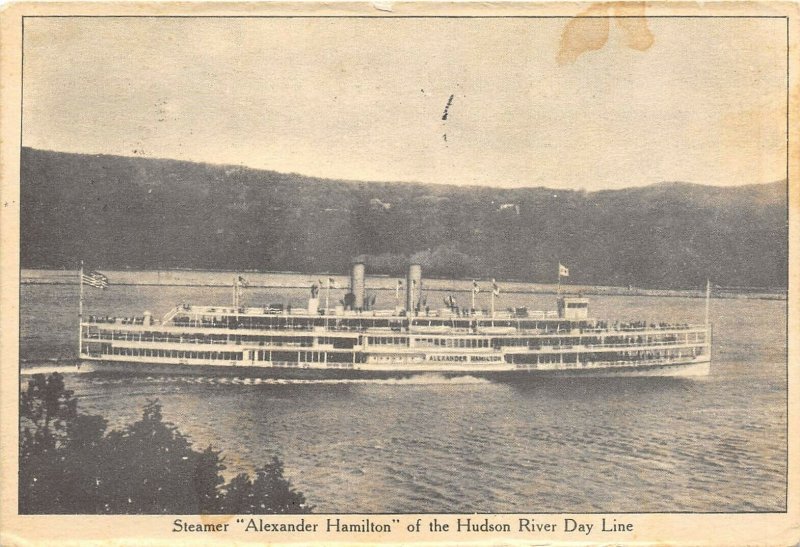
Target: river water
(428, 444)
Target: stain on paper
(589, 30)
(634, 26)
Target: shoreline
(288, 280)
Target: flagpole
(558, 290)
(708, 298)
(327, 295)
(472, 310)
(494, 290)
(80, 313)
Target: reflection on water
(430, 444)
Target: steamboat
(352, 340)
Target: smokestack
(413, 286)
(357, 285)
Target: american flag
(95, 279)
(495, 288)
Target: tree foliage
(70, 463)
(149, 213)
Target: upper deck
(443, 322)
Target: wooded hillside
(123, 212)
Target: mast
(558, 290)
(80, 312)
(472, 309)
(708, 325)
(495, 292)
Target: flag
(563, 271)
(495, 288)
(242, 282)
(95, 279)
(475, 288)
(397, 288)
(331, 282)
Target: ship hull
(680, 369)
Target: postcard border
(386, 16)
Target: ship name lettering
(363, 526)
(460, 358)
(258, 525)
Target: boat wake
(420, 379)
(429, 379)
(416, 380)
(50, 366)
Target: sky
(701, 100)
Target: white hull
(363, 370)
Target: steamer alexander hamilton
(352, 340)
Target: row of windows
(387, 340)
(432, 342)
(178, 354)
(338, 342)
(262, 355)
(452, 342)
(305, 357)
(295, 341)
(360, 323)
(282, 322)
(544, 358)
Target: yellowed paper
(635, 154)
